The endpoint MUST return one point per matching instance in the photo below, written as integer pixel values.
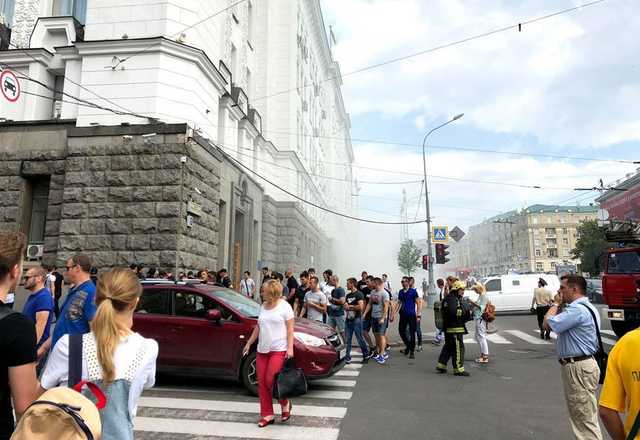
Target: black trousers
(541, 311)
(408, 336)
(453, 349)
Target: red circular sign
(9, 85)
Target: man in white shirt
(248, 286)
(315, 302)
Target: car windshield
(242, 304)
(624, 262)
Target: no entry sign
(9, 85)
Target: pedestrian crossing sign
(440, 233)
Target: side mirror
(214, 315)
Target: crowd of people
(36, 355)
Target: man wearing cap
(455, 313)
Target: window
(539, 267)
(6, 10)
(494, 285)
(75, 8)
(39, 207)
(553, 265)
(538, 253)
(156, 301)
(564, 230)
(515, 282)
(565, 241)
(624, 262)
(250, 20)
(234, 64)
(552, 253)
(195, 305)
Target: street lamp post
(432, 287)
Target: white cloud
(566, 80)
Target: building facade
(623, 205)
(536, 239)
(251, 90)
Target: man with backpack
(18, 380)
(455, 313)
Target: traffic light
(441, 253)
(425, 262)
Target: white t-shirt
(51, 279)
(273, 327)
(246, 286)
(56, 372)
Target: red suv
(201, 330)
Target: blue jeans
(351, 326)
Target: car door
(494, 293)
(199, 342)
(152, 319)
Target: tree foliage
(408, 257)
(590, 246)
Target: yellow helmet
(459, 285)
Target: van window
(515, 282)
(624, 262)
(494, 285)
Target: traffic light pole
(431, 292)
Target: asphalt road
(518, 395)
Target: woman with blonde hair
(274, 334)
(481, 326)
(121, 361)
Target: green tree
(590, 246)
(408, 257)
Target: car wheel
(249, 374)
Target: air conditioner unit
(35, 251)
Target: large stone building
(536, 239)
(115, 94)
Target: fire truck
(621, 279)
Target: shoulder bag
(600, 356)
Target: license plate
(343, 353)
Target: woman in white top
(122, 362)
(481, 326)
(274, 334)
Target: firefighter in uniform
(455, 313)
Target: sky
(568, 85)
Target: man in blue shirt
(408, 298)
(39, 308)
(576, 344)
(79, 306)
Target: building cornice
(155, 45)
(624, 184)
(23, 57)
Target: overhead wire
(308, 202)
(439, 47)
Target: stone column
(25, 15)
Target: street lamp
(432, 287)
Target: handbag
(600, 356)
(289, 382)
(635, 428)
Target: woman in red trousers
(274, 333)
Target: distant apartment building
(114, 93)
(536, 239)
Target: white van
(512, 293)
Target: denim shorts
(336, 322)
(366, 324)
(379, 329)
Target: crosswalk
(506, 337)
(189, 413)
